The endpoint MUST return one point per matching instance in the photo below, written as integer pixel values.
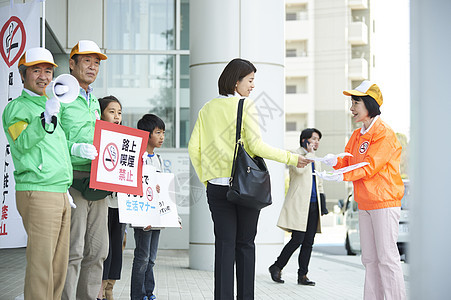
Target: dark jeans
(112, 265)
(143, 281)
(235, 228)
(300, 237)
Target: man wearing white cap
(43, 174)
(89, 231)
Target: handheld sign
(118, 167)
(153, 208)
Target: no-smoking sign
(149, 193)
(13, 39)
(110, 157)
(118, 167)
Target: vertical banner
(19, 31)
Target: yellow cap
(367, 88)
(34, 56)
(87, 47)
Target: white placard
(154, 209)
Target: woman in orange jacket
(378, 190)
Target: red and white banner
(19, 31)
(118, 167)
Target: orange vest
(379, 184)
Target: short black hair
(370, 105)
(149, 122)
(75, 58)
(235, 71)
(307, 133)
(107, 100)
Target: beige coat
(294, 214)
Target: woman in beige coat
(300, 213)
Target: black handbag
(249, 185)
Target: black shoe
(276, 274)
(305, 281)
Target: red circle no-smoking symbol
(149, 194)
(110, 157)
(13, 39)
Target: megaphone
(65, 88)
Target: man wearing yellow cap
(43, 174)
(89, 231)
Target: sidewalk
(336, 276)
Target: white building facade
(328, 48)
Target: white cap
(87, 47)
(38, 55)
(367, 88)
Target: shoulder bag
(249, 185)
(82, 185)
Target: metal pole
(43, 24)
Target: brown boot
(109, 289)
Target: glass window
(291, 16)
(141, 25)
(290, 126)
(184, 24)
(184, 101)
(296, 12)
(290, 89)
(144, 84)
(141, 67)
(291, 53)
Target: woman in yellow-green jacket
(211, 149)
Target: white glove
(330, 160)
(71, 200)
(52, 108)
(84, 150)
(329, 177)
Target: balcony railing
(358, 33)
(358, 69)
(358, 4)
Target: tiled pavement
(336, 276)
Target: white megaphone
(65, 88)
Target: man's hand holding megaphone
(52, 108)
(65, 89)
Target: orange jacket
(379, 184)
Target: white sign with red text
(118, 167)
(157, 209)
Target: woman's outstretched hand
(302, 161)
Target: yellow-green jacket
(41, 159)
(212, 143)
(78, 120)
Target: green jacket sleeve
(31, 135)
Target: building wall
(339, 36)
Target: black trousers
(112, 265)
(300, 237)
(235, 228)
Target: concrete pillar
(430, 127)
(220, 31)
